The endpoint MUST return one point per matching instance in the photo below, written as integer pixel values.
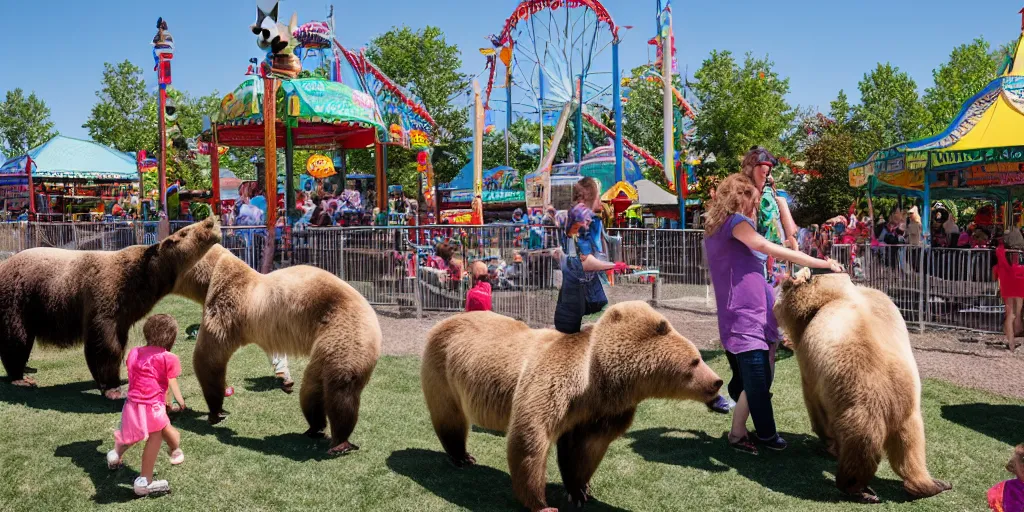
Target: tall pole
(31, 185)
(579, 124)
(163, 150)
(540, 110)
(215, 169)
(620, 170)
(508, 112)
(666, 80)
(270, 168)
(478, 149)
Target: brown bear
(66, 297)
(579, 391)
(860, 380)
(299, 310)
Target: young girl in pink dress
(151, 370)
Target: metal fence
(392, 266)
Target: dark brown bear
(64, 298)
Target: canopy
(982, 147)
(320, 113)
(649, 193)
(66, 158)
(613, 192)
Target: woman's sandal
(743, 444)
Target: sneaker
(177, 457)
(776, 443)
(144, 487)
(113, 460)
(721, 405)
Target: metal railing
(391, 266)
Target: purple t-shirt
(744, 298)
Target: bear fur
(63, 298)
(298, 310)
(859, 378)
(540, 386)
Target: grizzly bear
(297, 310)
(66, 297)
(579, 391)
(860, 380)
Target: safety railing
(398, 266)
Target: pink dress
(149, 369)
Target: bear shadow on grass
(1004, 422)
(474, 488)
(295, 446)
(75, 397)
(796, 472)
(109, 484)
(264, 383)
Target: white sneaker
(144, 487)
(177, 457)
(113, 460)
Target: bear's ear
(663, 328)
(614, 315)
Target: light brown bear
(860, 380)
(541, 386)
(63, 298)
(299, 310)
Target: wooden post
(215, 170)
(270, 168)
(478, 150)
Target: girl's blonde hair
(736, 194)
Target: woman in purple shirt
(745, 321)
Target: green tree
(831, 147)
(24, 123)
(890, 109)
(125, 117)
(740, 106)
(969, 69)
(424, 62)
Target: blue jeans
(752, 372)
(581, 294)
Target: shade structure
(982, 148)
(66, 158)
(320, 113)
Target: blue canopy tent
(79, 165)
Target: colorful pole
(270, 168)
(508, 112)
(579, 124)
(666, 80)
(215, 169)
(620, 170)
(163, 150)
(478, 149)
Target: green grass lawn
(52, 442)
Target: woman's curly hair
(736, 194)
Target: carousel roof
(988, 131)
(321, 113)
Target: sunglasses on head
(765, 157)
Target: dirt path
(971, 360)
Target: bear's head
(183, 249)
(643, 352)
(803, 295)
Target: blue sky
(822, 46)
